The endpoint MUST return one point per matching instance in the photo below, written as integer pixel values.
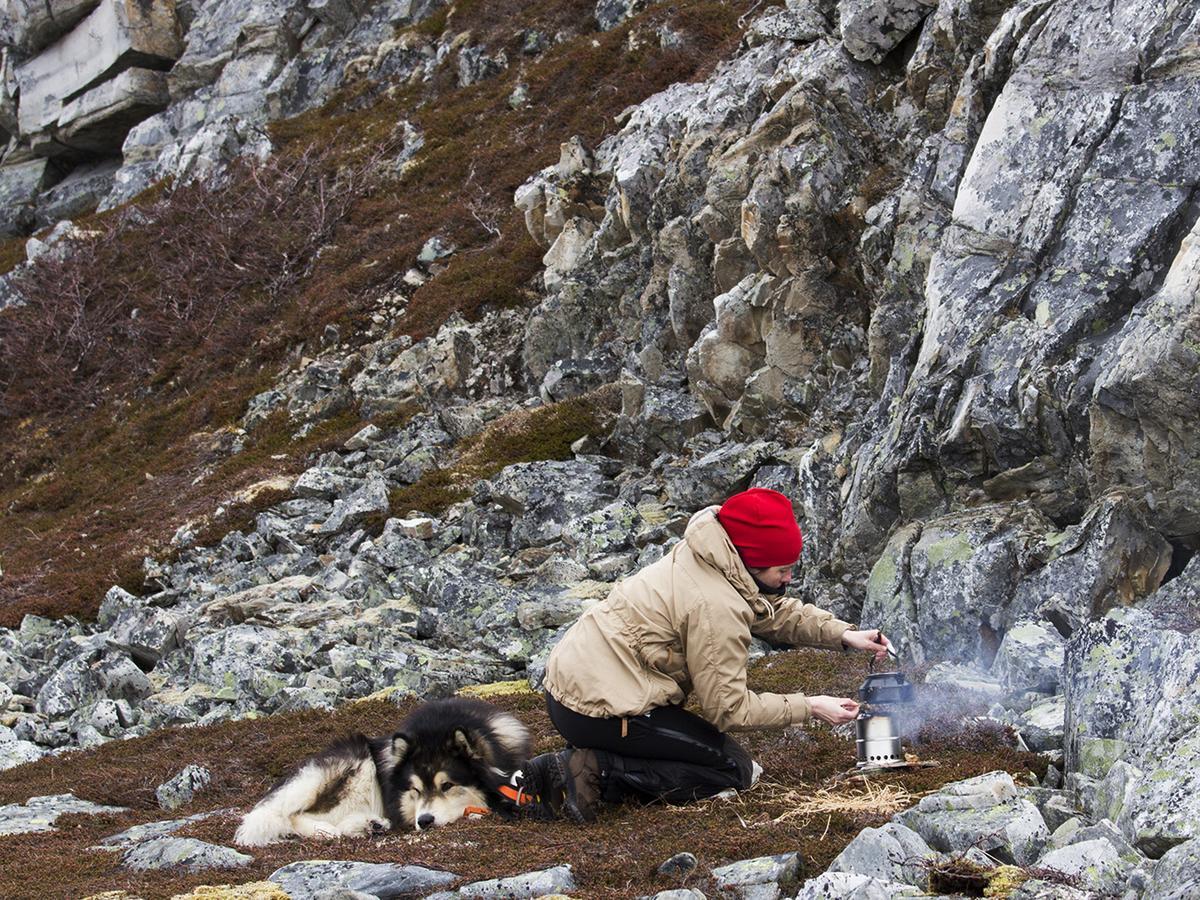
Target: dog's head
(434, 783)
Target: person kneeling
(617, 681)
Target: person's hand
(834, 710)
(871, 640)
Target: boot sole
(571, 809)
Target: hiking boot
(563, 785)
(585, 782)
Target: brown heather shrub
(195, 273)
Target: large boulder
(1113, 556)
(985, 812)
(871, 28)
(943, 588)
(1130, 698)
(892, 852)
(1145, 399)
(114, 37)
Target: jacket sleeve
(717, 650)
(802, 624)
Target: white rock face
(98, 120)
(115, 35)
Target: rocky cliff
(929, 268)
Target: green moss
(882, 581)
(953, 549)
(1097, 755)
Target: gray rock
(1113, 556)
(108, 717)
(182, 853)
(602, 532)
(108, 39)
(180, 789)
(15, 752)
(717, 474)
(871, 28)
(475, 65)
(79, 192)
(243, 661)
(116, 601)
(556, 880)
(370, 499)
(98, 120)
(1146, 724)
(984, 812)
(540, 498)
(968, 679)
(853, 886)
(611, 13)
(1042, 724)
(1042, 889)
(657, 419)
(800, 23)
(70, 686)
(33, 24)
(942, 587)
(1030, 658)
(20, 184)
(148, 634)
(119, 678)
(325, 483)
(680, 894)
(1177, 875)
(1096, 863)
(40, 813)
(783, 871)
(1147, 389)
(305, 880)
(889, 853)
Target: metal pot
(877, 728)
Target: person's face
(775, 576)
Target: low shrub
(187, 280)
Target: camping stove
(878, 725)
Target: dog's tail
(271, 819)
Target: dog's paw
(380, 826)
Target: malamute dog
(446, 757)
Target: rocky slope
(928, 268)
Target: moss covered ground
(101, 470)
(615, 857)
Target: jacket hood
(710, 543)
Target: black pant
(667, 754)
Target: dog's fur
(446, 756)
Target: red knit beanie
(763, 528)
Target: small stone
(678, 865)
(180, 790)
(420, 528)
(365, 438)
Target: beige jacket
(680, 625)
